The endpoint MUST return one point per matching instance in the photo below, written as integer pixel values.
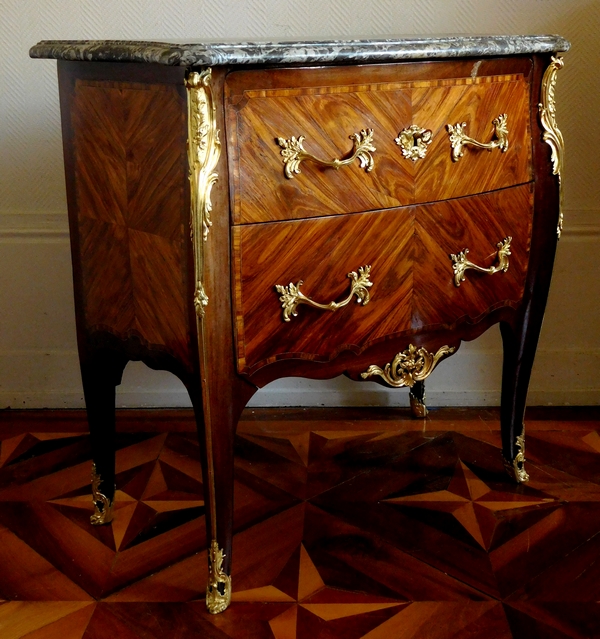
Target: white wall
(38, 359)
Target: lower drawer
(481, 225)
(301, 267)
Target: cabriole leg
(100, 375)
(516, 372)
(520, 339)
(216, 420)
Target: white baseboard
(398, 398)
(470, 378)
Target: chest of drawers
(355, 208)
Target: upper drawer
(328, 106)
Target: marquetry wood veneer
(408, 250)
(207, 308)
(350, 100)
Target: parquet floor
(350, 524)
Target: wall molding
(51, 380)
(581, 224)
(581, 232)
(54, 224)
(40, 316)
(298, 397)
(27, 225)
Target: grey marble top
(307, 52)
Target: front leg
(216, 428)
(521, 337)
(218, 394)
(516, 372)
(218, 403)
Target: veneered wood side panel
(155, 167)
(100, 158)
(320, 253)
(130, 181)
(104, 258)
(477, 223)
(158, 280)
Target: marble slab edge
(304, 52)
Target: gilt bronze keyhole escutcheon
(414, 142)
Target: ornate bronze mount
(200, 300)
(204, 149)
(460, 263)
(218, 589)
(516, 467)
(103, 506)
(552, 134)
(459, 139)
(412, 365)
(293, 153)
(292, 296)
(414, 142)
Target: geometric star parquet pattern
(348, 524)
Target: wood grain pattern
(413, 286)
(328, 114)
(321, 253)
(350, 524)
(131, 172)
(477, 224)
(437, 177)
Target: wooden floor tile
(556, 620)
(26, 575)
(349, 524)
(72, 626)
(37, 619)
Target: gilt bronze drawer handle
(460, 263)
(292, 297)
(293, 153)
(459, 139)
(414, 142)
(412, 365)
